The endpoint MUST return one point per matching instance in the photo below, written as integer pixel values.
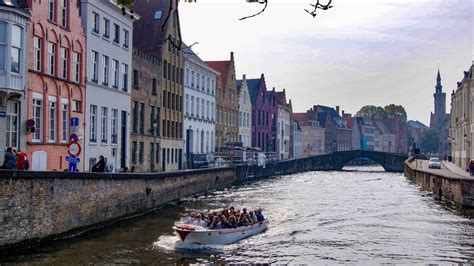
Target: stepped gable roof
(149, 35)
(221, 67)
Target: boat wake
(173, 243)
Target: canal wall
(38, 206)
(456, 190)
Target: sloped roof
(301, 118)
(322, 118)
(382, 127)
(416, 124)
(221, 67)
(253, 86)
(189, 53)
(151, 25)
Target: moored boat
(200, 235)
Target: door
(123, 140)
(39, 161)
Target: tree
(396, 111)
(429, 141)
(372, 111)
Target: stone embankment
(447, 185)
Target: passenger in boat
(253, 218)
(199, 221)
(232, 223)
(216, 224)
(190, 219)
(243, 221)
(223, 221)
(260, 217)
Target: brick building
(159, 35)
(227, 102)
(338, 135)
(56, 88)
(146, 112)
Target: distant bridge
(391, 162)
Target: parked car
(434, 163)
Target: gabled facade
(284, 110)
(199, 110)
(56, 81)
(145, 139)
(14, 33)
(264, 115)
(227, 102)
(108, 86)
(159, 22)
(338, 136)
(312, 134)
(245, 113)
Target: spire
(438, 87)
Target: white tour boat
(200, 235)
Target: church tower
(439, 100)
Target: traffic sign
(73, 138)
(74, 121)
(74, 149)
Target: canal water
(358, 215)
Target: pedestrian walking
(471, 167)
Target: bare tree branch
(319, 6)
(254, 15)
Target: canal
(362, 214)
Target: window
(51, 58)
(106, 28)
(16, 49)
(134, 116)
(115, 71)
(103, 124)
(152, 120)
(197, 106)
(126, 38)
(64, 62)
(95, 66)
(13, 111)
(113, 125)
(37, 53)
(203, 107)
(157, 153)
(125, 77)
(153, 86)
(64, 18)
(142, 118)
(192, 79)
(51, 10)
(3, 44)
(38, 118)
(52, 121)
(93, 124)
(135, 78)
(140, 153)
(165, 65)
(198, 80)
(105, 74)
(192, 105)
(181, 76)
(96, 22)
(116, 34)
(76, 105)
(187, 104)
(187, 77)
(64, 121)
(134, 152)
(77, 66)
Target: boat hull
(196, 235)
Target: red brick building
(56, 89)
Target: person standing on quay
(100, 165)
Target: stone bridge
(391, 162)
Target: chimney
(284, 92)
(273, 89)
(231, 56)
(337, 109)
(262, 76)
(244, 77)
(342, 113)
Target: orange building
(56, 89)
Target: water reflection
(357, 215)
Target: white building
(297, 144)
(283, 125)
(108, 67)
(245, 113)
(14, 27)
(200, 104)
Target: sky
(360, 52)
